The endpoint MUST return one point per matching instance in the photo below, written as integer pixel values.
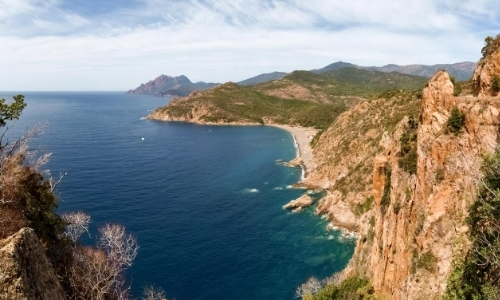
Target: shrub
(386, 196)
(490, 45)
(351, 288)
(478, 277)
(439, 175)
(457, 88)
(362, 208)
(495, 84)
(408, 159)
(456, 120)
(428, 261)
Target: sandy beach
(302, 136)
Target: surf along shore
(302, 138)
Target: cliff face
(417, 230)
(344, 156)
(25, 272)
(487, 68)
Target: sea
(204, 202)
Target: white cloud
(215, 40)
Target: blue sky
(119, 44)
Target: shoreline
(302, 137)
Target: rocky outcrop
(337, 211)
(487, 68)
(418, 229)
(25, 272)
(345, 154)
(299, 203)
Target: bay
(204, 202)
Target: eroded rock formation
(418, 230)
(25, 271)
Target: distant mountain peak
(166, 85)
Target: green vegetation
(300, 98)
(428, 261)
(385, 201)
(478, 276)
(26, 199)
(364, 128)
(369, 84)
(408, 159)
(364, 207)
(344, 82)
(490, 45)
(456, 120)
(352, 288)
(12, 111)
(231, 103)
(316, 137)
(495, 84)
(457, 88)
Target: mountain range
(461, 71)
(181, 86)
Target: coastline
(302, 137)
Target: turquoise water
(205, 202)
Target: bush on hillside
(495, 84)
(478, 276)
(408, 155)
(456, 120)
(457, 88)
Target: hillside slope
(300, 98)
(262, 78)
(404, 176)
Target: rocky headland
(396, 172)
(169, 86)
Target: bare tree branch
(78, 223)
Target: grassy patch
(364, 207)
(351, 288)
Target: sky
(115, 45)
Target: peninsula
(397, 156)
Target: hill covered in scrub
(417, 180)
(300, 98)
(413, 171)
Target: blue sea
(204, 202)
